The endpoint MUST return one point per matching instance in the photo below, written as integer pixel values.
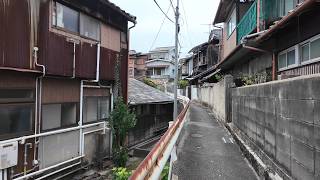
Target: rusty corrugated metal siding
(60, 90)
(54, 51)
(107, 64)
(86, 61)
(14, 34)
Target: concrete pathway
(207, 151)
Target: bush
(120, 173)
(183, 84)
(165, 172)
(121, 120)
(120, 156)
(150, 82)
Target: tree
(121, 121)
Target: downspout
(74, 61)
(38, 109)
(81, 139)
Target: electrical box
(8, 155)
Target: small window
(315, 49)
(232, 23)
(282, 61)
(305, 52)
(56, 116)
(15, 120)
(16, 95)
(291, 57)
(68, 114)
(96, 109)
(287, 58)
(89, 27)
(65, 17)
(104, 108)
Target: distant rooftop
(163, 48)
(141, 93)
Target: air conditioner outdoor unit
(8, 155)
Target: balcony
(270, 11)
(248, 23)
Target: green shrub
(183, 84)
(165, 172)
(121, 121)
(120, 156)
(120, 173)
(150, 82)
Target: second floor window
(74, 21)
(232, 23)
(65, 17)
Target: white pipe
(48, 168)
(98, 62)
(98, 87)
(74, 61)
(36, 120)
(36, 49)
(23, 138)
(59, 170)
(81, 118)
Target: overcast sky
(195, 14)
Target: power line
(155, 39)
(172, 6)
(186, 22)
(166, 14)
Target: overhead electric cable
(166, 14)
(155, 39)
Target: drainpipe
(74, 61)
(81, 118)
(98, 62)
(37, 124)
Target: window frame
(62, 126)
(98, 99)
(309, 41)
(297, 59)
(22, 133)
(234, 12)
(65, 30)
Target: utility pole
(175, 109)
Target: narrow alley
(207, 151)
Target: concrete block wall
(216, 96)
(283, 119)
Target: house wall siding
(15, 49)
(229, 43)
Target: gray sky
(193, 15)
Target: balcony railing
(248, 23)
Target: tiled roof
(141, 93)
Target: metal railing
(248, 23)
(152, 166)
